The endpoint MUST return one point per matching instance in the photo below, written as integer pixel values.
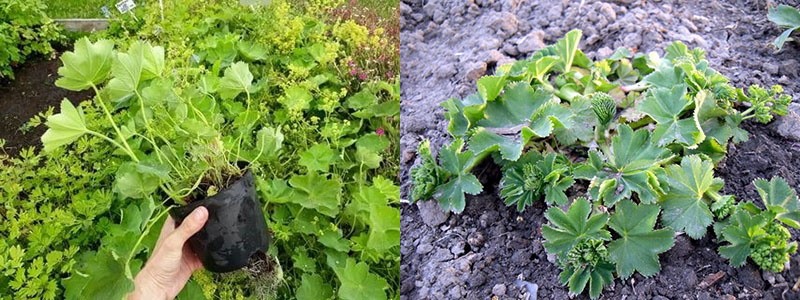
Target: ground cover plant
(212, 83)
(641, 133)
(25, 30)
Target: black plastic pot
(235, 231)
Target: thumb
(190, 225)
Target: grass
(386, 9)
(69, 9)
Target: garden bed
(32, 92)
(447, 45)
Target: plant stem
(149, 227)
(114, 124)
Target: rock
(788, 126)
(779, 278)
(659, 297)
(604, 52)
(790, 67)
(424, 249)
(510, 49)
(771, 68)
(769, 277)
(409, 155)
(499, 289)
(476, 239)
(431, 214)
(507, 22)
(531, 42)
(445, 71)
(441, 255)
(608, 11)
(458, 248)
(475, 71)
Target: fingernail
(200, 213)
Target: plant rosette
(171, 134)
(643, 133)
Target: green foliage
(427, 176)
(534, 176)
(25, 30)
(787, 17)
(638, 245)
(693, 189)
(226, 83)
(644, 132)
(629, 165)
(456, 165)
(760, 234)
(573, 227)
(588, 263)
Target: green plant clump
(644, 132)
(181, 95)
(25, 30)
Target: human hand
(173, 262)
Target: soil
(489, 249)
(31, 92)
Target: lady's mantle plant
(643, 131)
(170, 136)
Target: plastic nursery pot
(235, 230)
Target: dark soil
(32, 91)
(446, 45)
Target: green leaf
(312, 287)
(142, 61)
(666, 76)
(102, 277)
(666, 106)
(297, 98)
(252, 51)
(686, 205)
(566, 48)
(632, 161)
(457, 124)
(357, 282)
(237, 79)
(740, 235)
(485, 140)
(87, 65)
(65, 127)
(317, 192)
(362, 99)
(384, 227)
(269, 142)
(638, 245)
(781, 39)
(780, 199)
(534, 176)
(784, 16)
(132, 183)
(489, 87)
(571, 123)
(515, 106)
(451, 194)
(565, 230)
(318, 158)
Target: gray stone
(608, 11)
(475, 71)
(531, 42)
(476, 239)
(431, 214)
(788, 126)
(769, 277)
(499, 289)
(424, 249)
(771, 68)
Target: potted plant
(171, 133)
